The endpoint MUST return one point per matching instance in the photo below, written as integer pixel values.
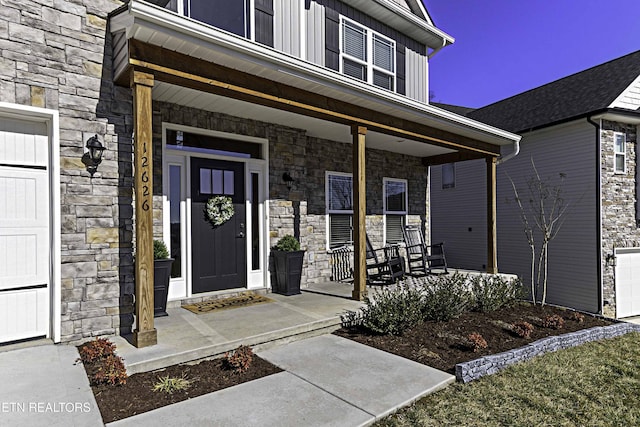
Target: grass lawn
(596, 384)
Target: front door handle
(240, 235)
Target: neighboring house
(276, 104)
(583, 126)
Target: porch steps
(259, 342)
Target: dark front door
(219, 252)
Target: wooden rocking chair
(384, 265)
(423, 258)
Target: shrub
(577, 316)
(95, 350)
(446, 297)
(491, 292)
(287, 244)
(160, 250)
(101, 362)
(239, 360)
(476, 341)
(111, 371)
(389, 311)
(170, 384)
(553, 322)
(522, 329)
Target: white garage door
(628, 282)
(24, 230)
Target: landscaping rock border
(488, 365)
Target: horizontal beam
(459, 156)
(183, 70)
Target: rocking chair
(423, 258)
(384, 265)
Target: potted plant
(161, 274)
(288, 259)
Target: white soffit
(313, 127)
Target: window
(339, 193)
(448, 175)
(395, 208)
(620, 152)
(231, 16)
(366, 55)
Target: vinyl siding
(573, 255)
(417, 76)
(287, 26)
(315, 32)
(630, 98)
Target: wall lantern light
(93, 157)
(288, 180)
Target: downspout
(511, 155)
(600, 290)
(438, 49)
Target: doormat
(242, 300)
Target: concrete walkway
(41, 386)
(328, 381)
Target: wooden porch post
(492, 246)
(145, 333)
(359, 213)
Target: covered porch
(165, 58)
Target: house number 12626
(144, 177)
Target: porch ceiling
(187, 53)
(313, 127)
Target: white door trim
(256, 279)
(52, 121)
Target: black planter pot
(288, 272)
(161, 275)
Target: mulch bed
(137, 395)
(441, 344)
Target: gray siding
(573, 259)
(417, 76)
(287, 26)
(315, 32)
(459, 215)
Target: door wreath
(219, 209)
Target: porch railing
(341, 264)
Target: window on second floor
(620, 152)
(367, 55)
(232, 16)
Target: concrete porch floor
(184, 336)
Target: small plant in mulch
(102, 363)
(522, 329)
(476, 342)
(238, 360)
(553, 321)
(577, 316)
(170, 384)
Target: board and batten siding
(573, 255)
(322, 45)
(286, 28)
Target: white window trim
(332, 211)
(369, 62)
(619, 153)
(386, 212)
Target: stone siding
(301, 211)
(619, 225)
(56, 55)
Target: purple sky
(505, 47)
